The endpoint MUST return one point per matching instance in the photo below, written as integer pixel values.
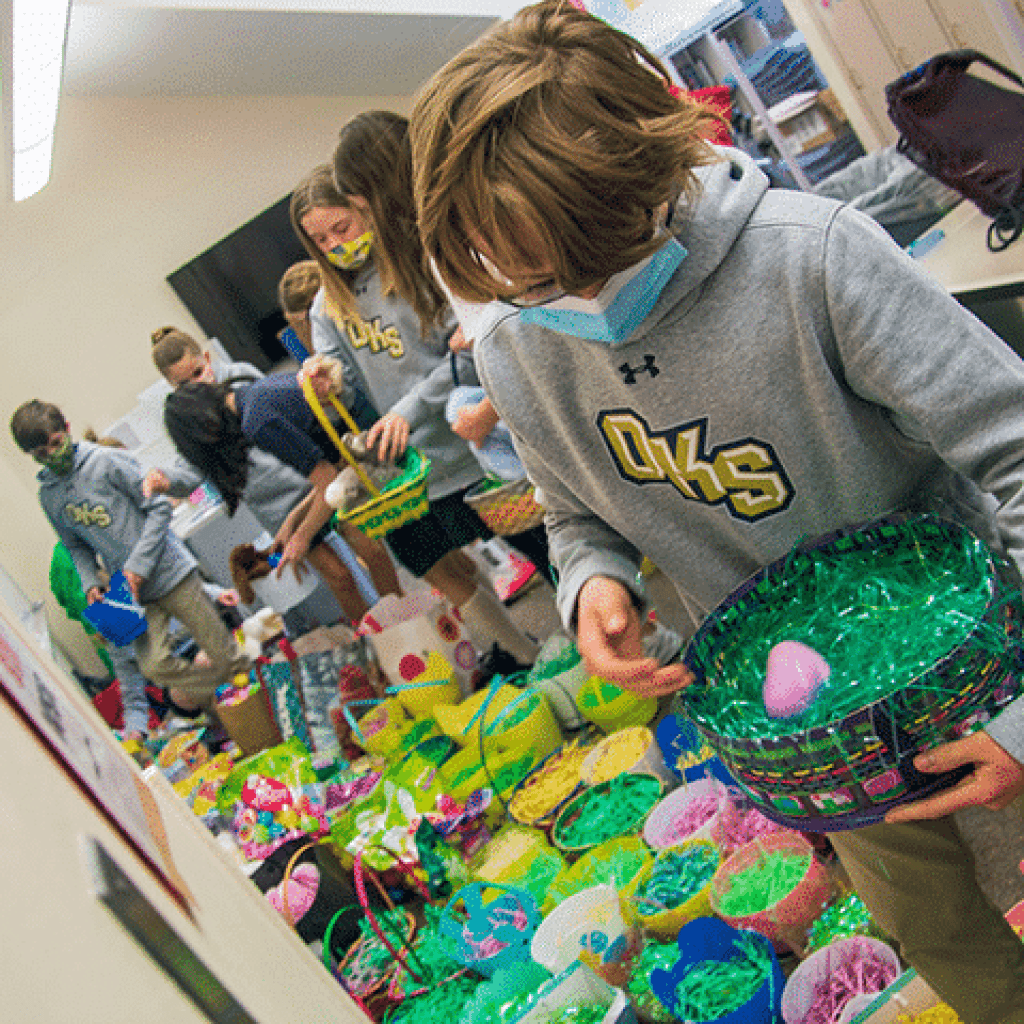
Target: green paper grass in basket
(606, 811)
(881, 615)
(922, 636)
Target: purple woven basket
(849, 773)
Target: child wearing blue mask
(707, 371)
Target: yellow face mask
(351, 255)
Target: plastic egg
(794, 676)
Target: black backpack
(966, 132)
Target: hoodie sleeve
(126, 476)
(949, 383)
(581, 544)
(183, 478)
(327, 341)
(427, 400)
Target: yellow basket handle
(318, 411)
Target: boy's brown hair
(298, 287)
(550, 141)
(171, 345)
(33, 422)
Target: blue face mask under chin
(626, 299)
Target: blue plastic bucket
(677, 737)
(707, 938)
(118, 618)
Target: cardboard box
(809, 119)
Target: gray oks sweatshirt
(798, 373)
(98, 509)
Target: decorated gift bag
(284, 692)
(406, 631)
(325, 659)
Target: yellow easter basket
(659, 920)
(401, 501)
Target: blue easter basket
(708, 939)
(678, 737)
(118, 618)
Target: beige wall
(139, 187)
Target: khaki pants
(188, 603)
(919, 883)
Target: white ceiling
(190, 47)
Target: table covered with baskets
(476, 859)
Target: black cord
(1005, 229)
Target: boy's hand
(134, 581)
(155, 482)
(608, 637)
(94, 594)
(458, 342)
(389, 435)
(996, 781)
(475, 422)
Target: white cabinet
(969, 27)
(862, 45)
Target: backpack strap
(963, 59)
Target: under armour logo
(630, 372)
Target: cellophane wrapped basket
(401, 501)
(849, 758)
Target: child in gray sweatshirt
(705, 371)
(93, 497)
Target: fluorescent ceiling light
(39, 33)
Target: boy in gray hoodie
(705, 371)
(93, 497)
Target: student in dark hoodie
(93, 497)
(706, 371)
(275, 493)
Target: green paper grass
(715, 988)
(768, 881)
(881, 616)
(440, 1003)
(654, 954)
(591, 1013)
(677, 876)
(606, 811)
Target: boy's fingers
(965, 794)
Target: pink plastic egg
(793, 679)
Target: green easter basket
(401, 501)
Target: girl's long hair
(209, 436)
(372, 160)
